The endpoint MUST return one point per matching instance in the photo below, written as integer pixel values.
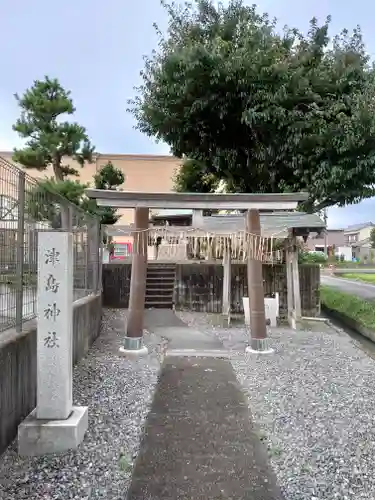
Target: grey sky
(95, 48)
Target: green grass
(365, 278)
(361, 310)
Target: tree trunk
(57, 170)
(64, 208)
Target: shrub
(312, 258)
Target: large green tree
(193, 177)
(266, 111)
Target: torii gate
(143, 202)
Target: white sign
(271, 307)
(55, 325)
(271, 312)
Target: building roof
(275, 224)
(358, 227)
(116, 156)
(272, 224)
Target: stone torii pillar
(133, 341)
(258, 326)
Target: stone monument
(55, 425)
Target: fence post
(20, 250)
(65, 215)
(88, 275)
(95, 254)
(100, 256)
(70, 219)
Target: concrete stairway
(160, 286)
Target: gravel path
(118, 392)
(313, 400)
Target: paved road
(356, 270)
(363, 290)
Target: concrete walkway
(363, 290)
(200, 442)
(182, 338)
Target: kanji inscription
(55, 324)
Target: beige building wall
(149, 173)
(364, 233)
(358, 234)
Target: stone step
(162, 269)
(159, 291)
(159, 305)
(161, 273)
(159, 298)
(161, 278)
(154, 272)
(162, 283)
(160, 266)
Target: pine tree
(50, 141)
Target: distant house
(358, 238)
(334, 239)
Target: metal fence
(26, 208)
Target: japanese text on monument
(52, 311)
